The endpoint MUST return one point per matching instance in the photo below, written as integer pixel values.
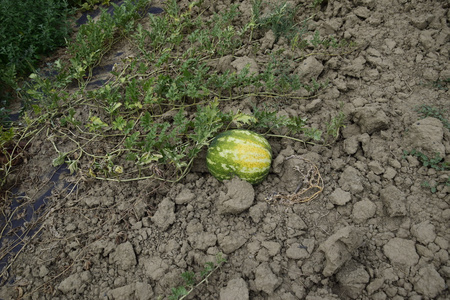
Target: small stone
(143, 291)
(265, 279)
(351, 180)
(165, 214)
(339, 248)
(426, 135)
(184, 196)
(362, 12)
(155, 267)
(92, 201)
(273, 248)
(296, 222)
(424, 232)
(421, 21)
(401, 252)
(310, 68)
(239, 197)
(202, 240)
(371, 119)
(268, 41)
(441, 242)
(224, 64)
(139, 291)
(428, 282)
(340, 197)
(74, 283)
(379, 296)
(375, 285)
(124, 256)
(363, 210)
(263, 255)
(313, 106)
(231, 243)
(246, 62)
(355, 67)
(359, 102)
(295, 251)
(235, 289)
(123, 292)
(256, 212)
(376, 167)
(351, 145)
(390, 43)
(445, 215)
(43, 271)
(352, 279)
(389, 274)
(394, 201)
(390, 173)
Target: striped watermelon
(238, 152)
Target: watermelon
(241, 153)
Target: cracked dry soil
(373, 233)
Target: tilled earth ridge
(375, 232)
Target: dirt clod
(339, 248)
(235, 289)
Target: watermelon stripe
(239, 152)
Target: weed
(280, 20)
(436, 162)
(316, 3)
(269, 120)
(193, 280)
(441, 84)
(433, 188)
(430, 111)
(334, 126)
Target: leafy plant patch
(30, 28)
(164, 104)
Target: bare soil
(375, 231)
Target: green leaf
(72, 166)
(148, 157)
(96, 123)
(60, 159)
(131, 141)
(189, 278)
(296, 124)
(119, 123)
(241, 119)
(146, 121)
(172, 156)
(178, 292)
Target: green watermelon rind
(225, 161)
